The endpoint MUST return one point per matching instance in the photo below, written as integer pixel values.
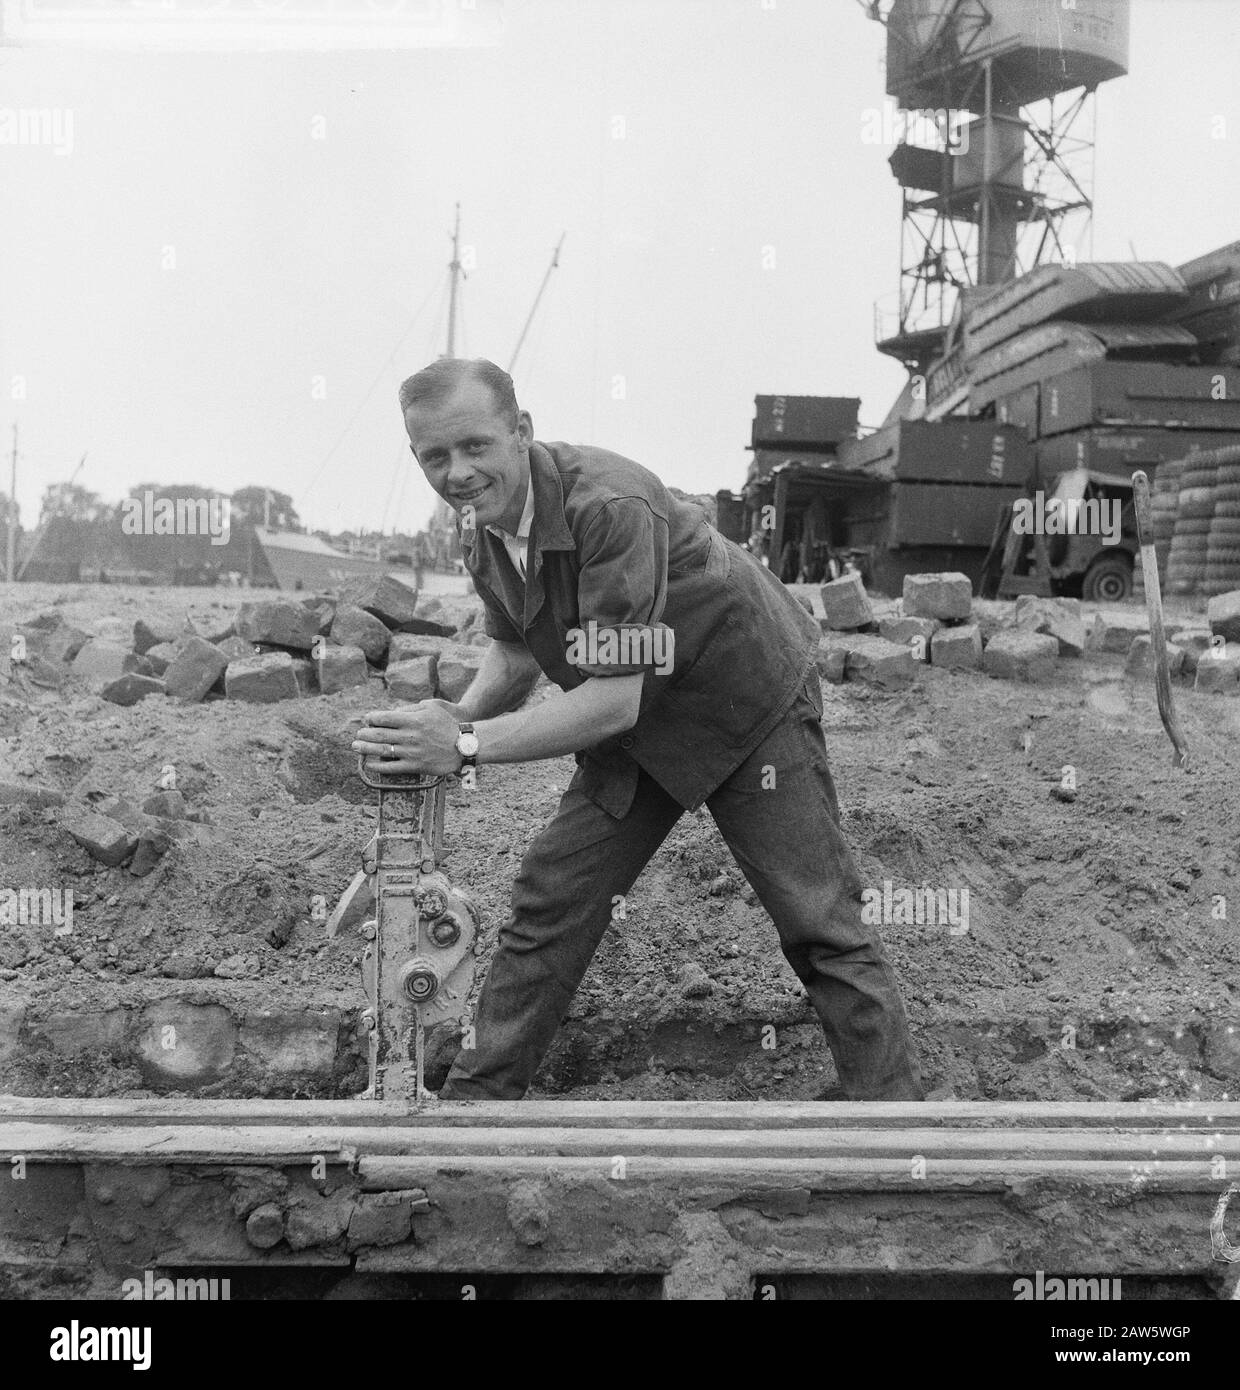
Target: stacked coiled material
(1223, 541)
(1186, 560)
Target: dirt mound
(1099, 962)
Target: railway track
(714, 1199)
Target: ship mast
(455, 272)
(555, 261)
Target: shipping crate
(1212, 279)
(1093, 292)
(1051, 349)
(1020, 409)
(946, 514)
(1212, 313)
(1159, 394)
(1217, 331)
(948, 451)
(1111, 450)
(801, 421)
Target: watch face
(467, 745)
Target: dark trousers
(779, 815)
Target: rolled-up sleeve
(622, 591)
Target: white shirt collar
(518, 546)
(527, 515)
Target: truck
(1083, 559)
(911, 497)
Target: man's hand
(421, 739)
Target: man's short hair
(437, 382)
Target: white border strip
(262, 25)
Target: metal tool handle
(397, 781)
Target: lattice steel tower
(1004, 182)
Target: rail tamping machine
(421, 945)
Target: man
(689, 679)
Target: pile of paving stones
(1205, 654)
(1209, 655)
(274, 649)
(934, 624)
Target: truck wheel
(1109, 580)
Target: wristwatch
(467, 746)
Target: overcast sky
(681, 145)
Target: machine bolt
(366, 1020)
(445, 932)
(370, 930)
(419, 981)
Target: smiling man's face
(471, 455)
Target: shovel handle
(1153, 603)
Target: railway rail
(716, 1200)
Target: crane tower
(1007, 87)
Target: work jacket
(612, 548)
